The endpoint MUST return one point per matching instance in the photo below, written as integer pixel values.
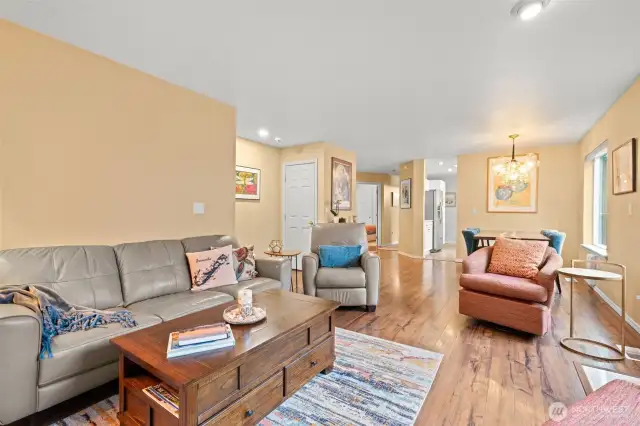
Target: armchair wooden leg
(371, 308)
(558, 284)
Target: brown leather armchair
(514, 302)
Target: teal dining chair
(469, 240)
(556, 240)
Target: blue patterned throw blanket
(58, 316)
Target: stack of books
(165, 396)
(200, 339)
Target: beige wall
(618, 125)
(258, 221)
(559, 195)
(412, 220)
(96, 152)
(388, 233)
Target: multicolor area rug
(374, 381)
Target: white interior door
(367, 199)
(299, 206)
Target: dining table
(485, 237)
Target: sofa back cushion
(517, 258)
(339, 234)
(206, 242)
(151, 269)
(82, 275)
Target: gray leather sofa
(355, 286)
(151, 279)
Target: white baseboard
(616, 308)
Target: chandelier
(514, 173)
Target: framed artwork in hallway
(248, 183)
(450, 199)
(341, 184)
(405, 194)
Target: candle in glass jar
(245, 300)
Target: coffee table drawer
(304, 369)
(253, 406)
(265, 360)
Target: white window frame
(599, 190)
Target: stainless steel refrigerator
(434, 210)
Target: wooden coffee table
(240, 385)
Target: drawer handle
(249, 413)
(314, 363)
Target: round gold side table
(596, 275)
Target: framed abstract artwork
(503, 198)
(405, 194)
(248, 182)
(341, 184)
(623, 167)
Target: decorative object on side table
(247, 183)
(624, 167)
(341, 173)
(405, 194)
(597, 275)
(275, 246)
(512, 183)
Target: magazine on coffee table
(174, 349)
(164, 396)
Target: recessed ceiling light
(526, 10)
(263, 133)
(449, 169)
(278, 140)
(441, 163)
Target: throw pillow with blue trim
(339, 256)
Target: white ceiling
(392, 80)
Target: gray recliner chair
(354, 286)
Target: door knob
(249, 413)
(314, 363)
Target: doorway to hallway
(369, 208)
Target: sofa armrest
(370, 262)
(310, 265)
(20, 334)
(477, 262)
(548, 273)
(278, 269)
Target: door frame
(313, 161)
(378, 208)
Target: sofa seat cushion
(340, 278)
(506, 286)
(179, 304)
(256, 285)
(82, 351)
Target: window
(600, 198)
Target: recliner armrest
(370, 262)
(310, 266)
(278, 269)
(20, 335)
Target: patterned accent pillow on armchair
(517, 258)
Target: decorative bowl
(233, 315)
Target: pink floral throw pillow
(213, 268)
(517, 258)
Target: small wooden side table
(596, 275)
(291, 254)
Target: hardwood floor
(489, 375)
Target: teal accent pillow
(339, 256)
